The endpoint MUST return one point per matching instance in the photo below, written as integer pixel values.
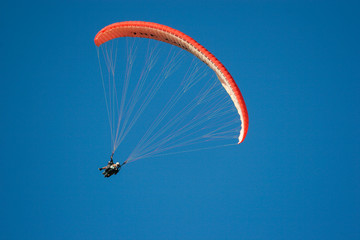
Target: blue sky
(296, 176)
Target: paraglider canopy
(172, 36)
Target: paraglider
(111, 168)
(166, 133)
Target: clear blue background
(296, 176)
